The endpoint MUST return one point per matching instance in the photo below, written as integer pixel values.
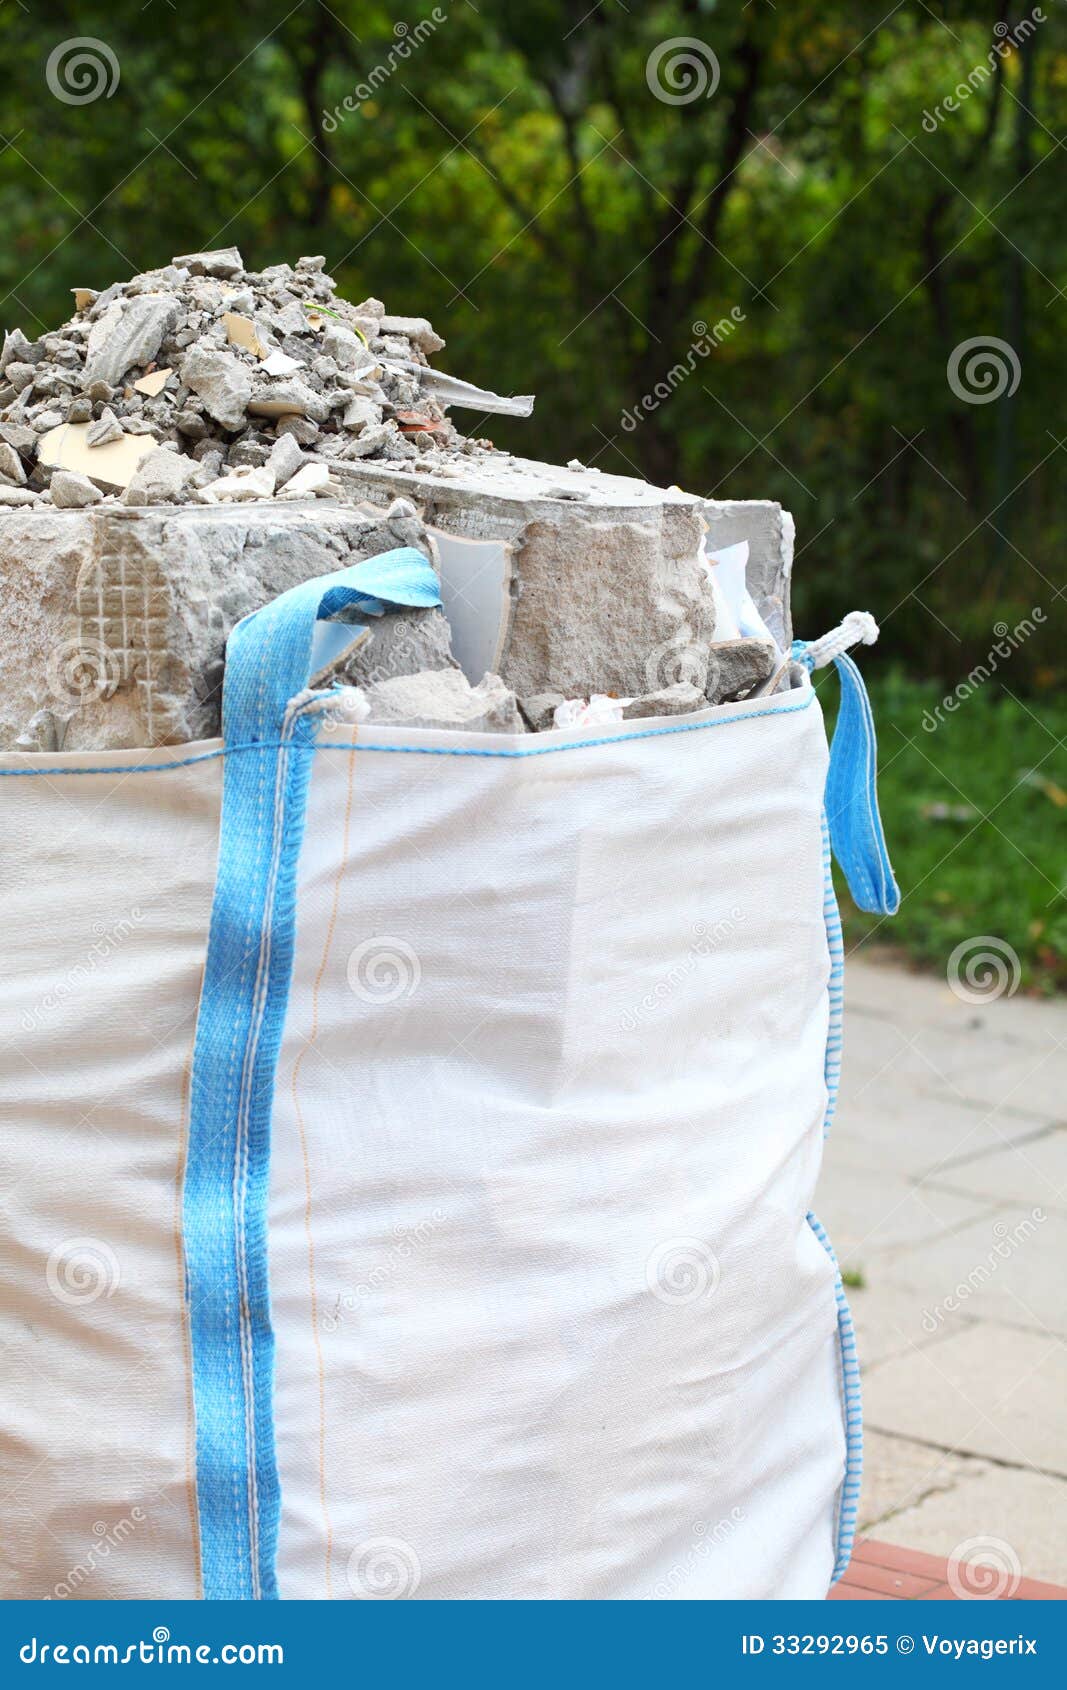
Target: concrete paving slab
(899, 1475)
(903, 1131)
(877, 985)
(889, 1319)
(1005, 1266)
(998, 1076)
(1033, 1168)
(988, 1390)
(1018, 1518)
(865, 1210)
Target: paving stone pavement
(945, 1188)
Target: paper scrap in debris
(280, 364)
(110, 466)
(154, 382)
(241, 331)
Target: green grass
(974, 802)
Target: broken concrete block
(290, 397)
(16, 349)
(159, 478)
(11, 466)
(106, 427)
(244, 482)
(110, 466)
(346, 348)
(444, 698)
(221, 381)
(361, 413)
(307, 482)
(737, 668)
(676, 700)
(224, 262)
(71, 491)
(129, 334)
(416, 329)
(402, 642)
(17, 495)
(494, 497)
(770, 533)
(593, 602)
(539, 711)
(285, 459)
(143, 598)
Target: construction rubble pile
(199, 439)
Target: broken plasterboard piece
(280, 364)
(110, 466)
(153, 383)
(465, 395)
(475, 580)
(83, 298)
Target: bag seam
(419, 750)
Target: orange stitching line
(307, 1170)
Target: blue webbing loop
(852, 812)
(238, 1038)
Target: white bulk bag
(409, 1147)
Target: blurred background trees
(576, 193)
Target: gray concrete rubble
(443, 698)
(203, 350)
(199, 438)
(739, 669)
(402, 642)
(678, 700)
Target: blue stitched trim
(424, 750)
(850, 1373)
